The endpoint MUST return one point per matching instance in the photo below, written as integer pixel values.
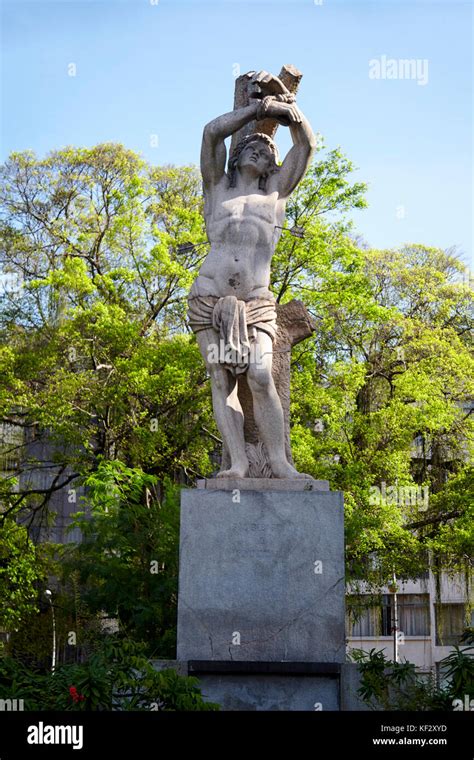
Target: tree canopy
(98, 250)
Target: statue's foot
(286, 470)
(239, 471)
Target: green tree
(127, 561)
(92, 343)
(22, 569)
(389, 375)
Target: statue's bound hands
(269, 84)
(277, 101)
(284, 113)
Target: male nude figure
(244, 210)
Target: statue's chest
(248, 208)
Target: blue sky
(166, 67)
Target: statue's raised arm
(277, 103)
(213, 150)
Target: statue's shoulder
(214, 190)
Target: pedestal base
(308, 686)
(261, 581)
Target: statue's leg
(267, 408)
(227, 408)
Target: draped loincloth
(236, 322)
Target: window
(375, 620)
(413, 617)
(450, 623)
(11, 439)
(414, 614)
(367, 623)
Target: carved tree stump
(291, 78)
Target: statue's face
(256, 154)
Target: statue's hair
(254, 137)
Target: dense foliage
(387, 685)
(117, 676)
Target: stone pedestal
(261, 594)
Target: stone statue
(230, 306)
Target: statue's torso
(243, 231)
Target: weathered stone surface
(268, 692)
(262, 484)
(297, 691)
(267, 572)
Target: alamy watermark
(415, 69)
(52, 734)
(13, 705)
(11, 283)
(466, 705)
(224, 353)
(402, 496)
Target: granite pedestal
(261, 594)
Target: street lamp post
(48, 594)
(394, 588)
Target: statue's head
(257, 152)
